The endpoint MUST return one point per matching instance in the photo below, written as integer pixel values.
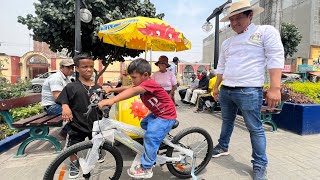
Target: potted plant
(301, 112)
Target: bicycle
(184, 157)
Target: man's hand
(216, 94)
(105, 102)
(273, 97)
(66, 113)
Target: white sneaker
(140, 172)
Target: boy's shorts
(75, 136)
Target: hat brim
(68, 64)
(168, 65)
(256, 10)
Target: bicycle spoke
(101, 171)
(197, 140)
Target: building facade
(305, 14)
(44, 48)
(28, 66)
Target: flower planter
(299, 118)
(13, 140)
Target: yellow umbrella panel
(143, 33)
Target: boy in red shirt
(158, 123)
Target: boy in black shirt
(75, 98)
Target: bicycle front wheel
(109, 165)
(199, 141)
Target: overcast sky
(187, 16)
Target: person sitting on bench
(202, 98)
(202, 88)
(194, 84)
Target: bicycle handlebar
(97, 96)
(105, 110)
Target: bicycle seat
(176, 124)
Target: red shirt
(157, 100)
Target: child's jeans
(156, 131)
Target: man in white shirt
(193, 85)
(53, 86)
(173, 66)
(192, 94)
(174, 69)
(241, 68)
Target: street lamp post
(208, 26)
(77, 32)
(84, 15)
(81, 14)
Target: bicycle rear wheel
(200, 142)
(108, 168)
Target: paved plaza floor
(291, 156)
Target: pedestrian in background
(165, 78)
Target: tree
(291, 38)
(55, 19)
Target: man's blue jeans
(55, 109)
(156, 131)
(248, 101)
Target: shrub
(17, 114)
(301, 92)
(5, 131)
(311, 90)
(295, 97)
(25, 112)
(9, 90)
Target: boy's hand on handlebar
(105, 102)
(107, 90)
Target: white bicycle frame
(109, 130)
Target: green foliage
(311, 90)
(5, 131)
(54, 24)
(17, 114)
(9, 90)
(25, 112)
(291, 38)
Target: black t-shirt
(204, 83)
(76, 96)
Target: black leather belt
(237, 87)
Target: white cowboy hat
(239, 7)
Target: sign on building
(303, 68)
(286, 68)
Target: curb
(13, 140)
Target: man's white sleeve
(274, 51)
(222, 60)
